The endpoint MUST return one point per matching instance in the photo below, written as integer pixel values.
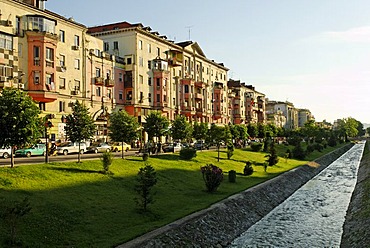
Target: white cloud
(353, 35)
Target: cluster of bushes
(188, 153)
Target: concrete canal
(314, 215)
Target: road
(58, 158)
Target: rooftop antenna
(189, 29)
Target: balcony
(43, 96)
(198, 96)
(99, 81)
(109, 82)
(199, 84)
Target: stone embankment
(356, 229)
(224, 221)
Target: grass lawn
(74, 205)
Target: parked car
(70, 147)
(117, 146)
(201, 145)
(5, 152)
(172, 147)
(35, 150)
(99, 147)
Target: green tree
(219, 134)
(252, 130)
(261, 130)
(368, 130)
(156, 125)
(348, 127)
(200, 130)
(181, 129)
(360, 128)
(123, 128)
(20, 124)
(272, 157)
(146, 179)
(80, 126)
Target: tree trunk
(12, 151)
(79, 152)
(218, 152)
(123, 152)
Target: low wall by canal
(220, 224)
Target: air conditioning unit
(20, 86)
(2, 79)
(75, 48)
(75, 92)
(8, 23)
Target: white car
(70, 147)
(5, 152)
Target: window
(149, 97)
(165, 98)
(36, 77)
(120, 95)
(77, 64)
(149, 48)
(129, 95)
(158, 81)
(77, 40)
(140, 45)
(98, 91)
(141, 96)
(149, 64)
(141, 79)
(106, 46)
(50, 82)
(62, 36)
(6, 42)
(129, 61)
(109, 93)
(20, 50)
(77, 85)
(62, 60)
(115, 45)
(62, 106)
(97, 72)
(186, 88)
(49, 57)
(36, 55)
(158, 98)
(141, 61)
(62, 83)
(149, 81)
(120, 77)
(158, 51)
(42, 106)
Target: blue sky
(314, 53)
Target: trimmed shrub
(310, 148)
(212, 176)
(248, 169)
(230, 150)
(107, 159)
(145, 156)
(332, 141)
(188, 153)
(298, 152)
(256, 147)
(272, 158)
(232, 176)
(319, 147)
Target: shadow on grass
(75, 170)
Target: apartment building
(246, 104)
(161, 75)
(56, 62)
(304, 115)
(287, 109)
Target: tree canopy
(20, 124)
(123, 128)
(80, 126)
(181, 129)
(156, 125)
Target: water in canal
(314, 215)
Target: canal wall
(220, 224)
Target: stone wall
(220, 224)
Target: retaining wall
(220, 224)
